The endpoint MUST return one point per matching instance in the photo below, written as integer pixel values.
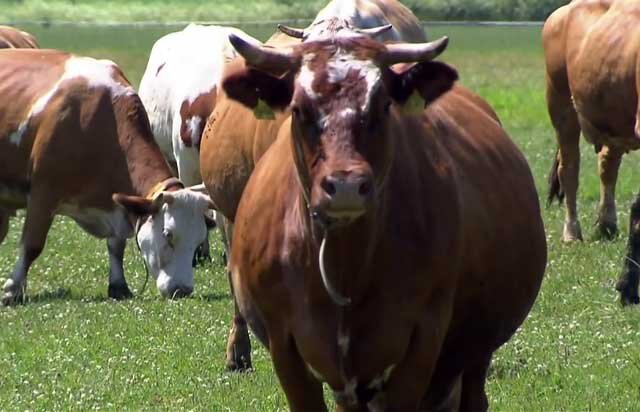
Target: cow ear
(262, 92)
(136, 205)
(414, 86)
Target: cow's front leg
(608, 165)
(303, 391)
(34, 235)
(118, 288)
(238, 342)
(4, 224)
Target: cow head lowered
(343, 92)
(170, 228)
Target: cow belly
(100, 223)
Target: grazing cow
(381, 247)
(234, 139)
(592, 73)
(178, 90)
(11, 38)
(75, 141)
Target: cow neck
(148, 169)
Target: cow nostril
(328, 186)
(365, 188)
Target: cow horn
(413, 52)
(291, 31)
(375, 31)
(263, 57)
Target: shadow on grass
(61, 294)
(214, 297)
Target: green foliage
(70, 348)
(257, 10)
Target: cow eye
(387, 106)
(168, 235)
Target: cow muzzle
(344, 197)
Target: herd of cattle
(373, 209)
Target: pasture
(72, 348)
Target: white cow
(178, 90)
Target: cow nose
(347, 193)
(178, 292)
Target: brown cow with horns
(384, 251)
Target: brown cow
(11, 38)
(75, 140)
(591, 55)
(384, 251)
(234, 139)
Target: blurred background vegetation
(13, 11)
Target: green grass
(71, 348)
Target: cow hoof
(239, 348)
(201, 256)
(572, 232)
(13, 293)
(119, 292)
(628, 293)
(606, 231)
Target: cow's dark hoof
(628, 292)
(605, 231)
(13, 293)
(239, 348)
(120, 291)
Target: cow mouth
(335, 218)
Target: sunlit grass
(71, 348)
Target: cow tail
(555, 188)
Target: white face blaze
(169, 238)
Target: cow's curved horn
(413, 52)
(291, 31)
(263, 57)
(375, 31)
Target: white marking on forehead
(343, 343)
(97, 73)
(338, 68)
(348, 112)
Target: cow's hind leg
(563, 180)
(608, 164)
(34, 235)
(628, 283)
(118, 288)
(238, 342)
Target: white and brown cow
(75, 141)
(12, 38)
(178, 90)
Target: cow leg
(628, 283)
(118, 288)
(565, 122)
(473, 396)
(34, 235)
(4, 224)
(303, 391)
(608, 165)
(238, 342)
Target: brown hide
(11, 38)
(440, 274)
(82, 147)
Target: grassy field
(70, 348)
